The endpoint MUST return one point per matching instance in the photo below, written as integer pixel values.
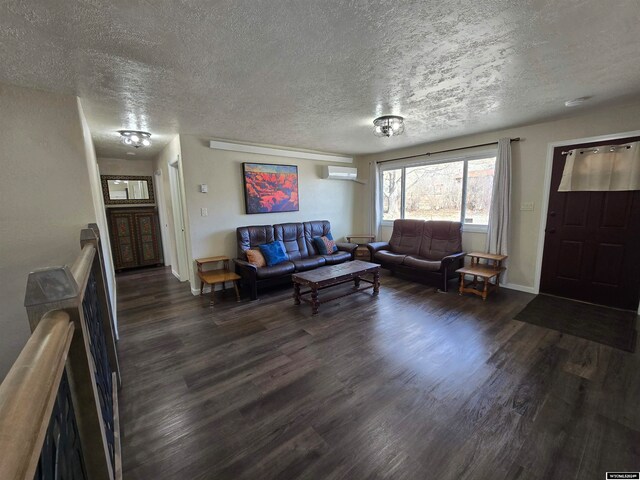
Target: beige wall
(215, 234)
(120, 166)
(45, 198)
(163, 189)
(98, 206)
(529, 161)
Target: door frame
(544, 207)
(179, 220)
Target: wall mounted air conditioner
(333, 172)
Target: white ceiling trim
(277, 152)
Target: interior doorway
(591, 241)
(177, 202)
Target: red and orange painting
(270, 188)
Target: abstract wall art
(270, 188)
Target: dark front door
(592, 242)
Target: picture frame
(270, 188)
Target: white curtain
(498, 234)
(376, 200)
(602, 169)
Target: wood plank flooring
(412, 384)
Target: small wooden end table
(362, 252)
(486, 272)
(211, 277)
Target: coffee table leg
(376, 282)
(213, 289)
(485, 292)
(296, 294)
(314, 301)
(356, 282)
(461, 288)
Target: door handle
(551, 230)
(552, 214)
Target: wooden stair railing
(28, 395)
(79, 412)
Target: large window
(458, 190)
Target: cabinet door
(146, 224)
(123, 234)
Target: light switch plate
(204, 212)
(526, 206)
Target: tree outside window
(455, 190)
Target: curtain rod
(517, 139)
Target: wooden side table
(486, 272)
(211, 277)
(362, 252)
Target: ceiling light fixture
(388, 126)
(135, 138)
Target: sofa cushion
(292, 236)
(275, 271)
(273, 253)
(422, 263)
(309, 263)
(337, 257)
(251, 237)
(315, 228)
(325, 245)
(255, 257)
(439, 239)
(386, 256)
(406, 236)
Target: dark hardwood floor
(413, 384)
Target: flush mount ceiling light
(388, 126)
(135, 138)
(576, 101)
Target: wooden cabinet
(135, 240)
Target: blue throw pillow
(273, 253)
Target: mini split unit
(333, 172)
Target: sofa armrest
(244, 268)
(347, 247)
(377, 246)
(453, 258)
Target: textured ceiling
(313, 74)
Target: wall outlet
(204, 212)
(526, 206)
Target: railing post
(91, 235)
(57, 289)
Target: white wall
(215, 234)
(100, 214)
(122, 166)
(45, 199)
(168, 154)
(529, 160)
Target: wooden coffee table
(332, 275)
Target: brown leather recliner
(301, 251)
(423, 250)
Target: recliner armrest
(449, 259)
(377, 246)
(347, 247)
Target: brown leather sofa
(298, 242)
(422, 250)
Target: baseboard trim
(519, 288)
(175, 274)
